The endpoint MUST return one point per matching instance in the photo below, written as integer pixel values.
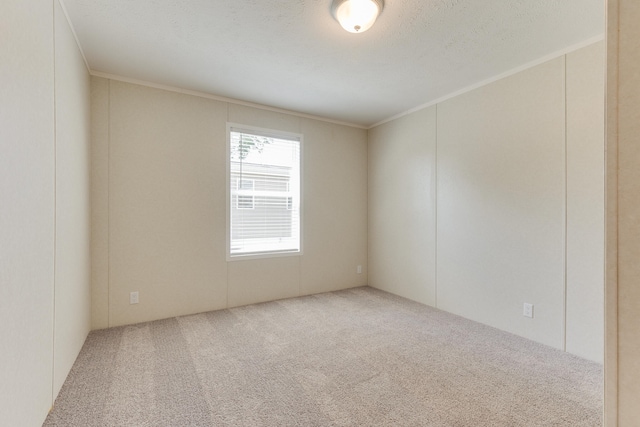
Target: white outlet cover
(134, 298)
(527, 310)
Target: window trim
(272, 133)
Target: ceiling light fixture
(357, 16)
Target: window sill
(262, 255)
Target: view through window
(265, 192)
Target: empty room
(319, 213)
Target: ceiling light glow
(357, 16)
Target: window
(264, 215)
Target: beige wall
(402, 206)
(159, 207)
(43, 122)
(585, 202)
(27, 213)
(73, 229)
(500, 207)
(622, 365)
(99, 203)
(516, 181)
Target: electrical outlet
(359, 269)
(527, 310)
(134, 298)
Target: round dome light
(357, 16)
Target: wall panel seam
(55, 208)
(108, 203)
(566, 208)
(435, 234)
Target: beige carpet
(359, 357)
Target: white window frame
(273, 134)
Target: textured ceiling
(293, 55)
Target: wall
(72, 206)
(27, 213)
(501, 190)
(585, 202)
(500, 206)
(159, 207)
(622, 364)
(39, 95)
(402, 206)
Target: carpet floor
(359, 357)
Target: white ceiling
(292, 54)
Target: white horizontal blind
(264, 193)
